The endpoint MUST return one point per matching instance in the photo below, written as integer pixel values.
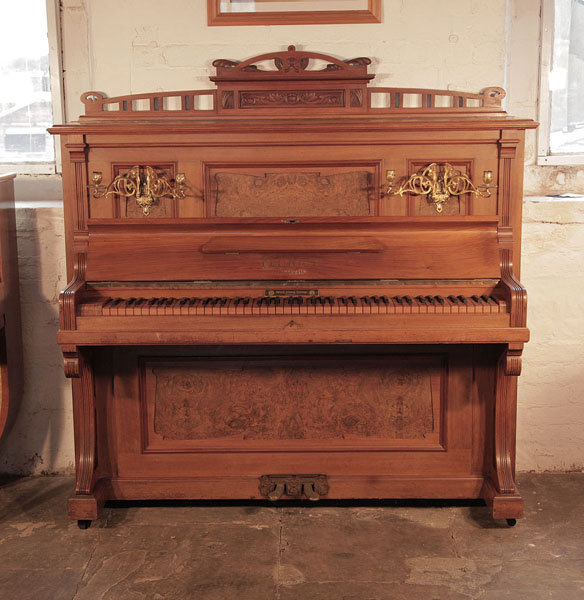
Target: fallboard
(206, 249)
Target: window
(26, 106)
(561, 136)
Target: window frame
(56, 80)
(544, 156)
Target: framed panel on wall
(292, 12)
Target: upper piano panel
(295, 83)
(292, 135)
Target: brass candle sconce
(439, 182)
(144, 183)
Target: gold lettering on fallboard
(292, 264)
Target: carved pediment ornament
(293, 62)
(343, 86)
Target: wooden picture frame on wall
(277, 12)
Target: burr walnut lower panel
(462, 451)
(409, 421)
(275, 403)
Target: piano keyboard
(297, 305)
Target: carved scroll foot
(503, 506)
(500, 491)
(86, 507)
(90, 494)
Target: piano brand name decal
(294, 265)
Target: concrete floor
(204, 551)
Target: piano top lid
(298, 88)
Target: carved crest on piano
(292, 62)
(298, 79)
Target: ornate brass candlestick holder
(438, 182)
(144, 183)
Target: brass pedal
(313, 487)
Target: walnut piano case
(294, 285)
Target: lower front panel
(374, 421)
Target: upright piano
(294, 285)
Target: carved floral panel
(292, 98)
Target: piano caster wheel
(511, 522)
(83, 523)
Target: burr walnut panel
(273, 399)
(292, 194)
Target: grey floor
(388, 551)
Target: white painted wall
(142, 46)
(42, 437)
(551, 387)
